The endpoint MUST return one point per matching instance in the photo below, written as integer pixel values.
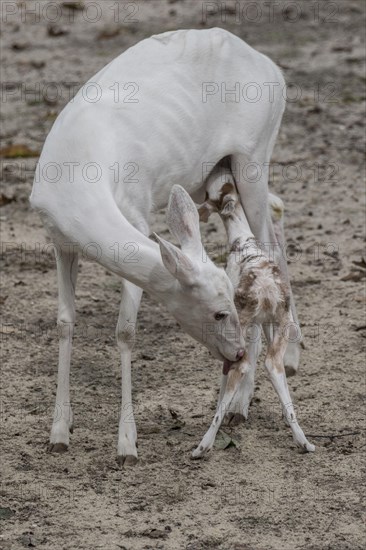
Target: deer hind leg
(222, 196)
(292, 353)
(125, 334)
(67, 267)
(275, 367)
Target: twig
(332, 436)
(329, 526)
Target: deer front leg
(125, 333)
(62, 426)
(239, 408)
(222, 197)
(229, 388)
(274, 364)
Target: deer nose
(240, 354)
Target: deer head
(202, 300)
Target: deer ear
(176, 262)
(183, 221)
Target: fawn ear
(177, 263)
(205, 211)
(183, 221)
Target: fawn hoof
(307, 447)
(234, 419)
(126, 460)
(290, 370)
(200, 451)
(57, 448)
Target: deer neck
(137, 259)
(150, 273)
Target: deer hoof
(126, 460)
(234, 419)
(306, 447)
(57, 448)
(290, 370)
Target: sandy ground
(263, 495)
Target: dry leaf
(7, 329)
(6, 513)
(109, 32)
(354, 276)
(361, 263)
(56, 30)
(17, 151)
(73, 5)
(224, 441)
(5, 200)
(178, 421)
(155, 533)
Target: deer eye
(219, 316)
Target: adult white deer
(172, 123)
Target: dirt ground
(263, 495)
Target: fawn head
(260, 292)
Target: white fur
(264, 289)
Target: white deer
(173, 123)
(263, 300)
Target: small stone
(109, 31)
(38, 64)
(56, 30)
(20, 46)
(147, 357)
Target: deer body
(171, 125)
(161, 117)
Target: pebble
(56, 30)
